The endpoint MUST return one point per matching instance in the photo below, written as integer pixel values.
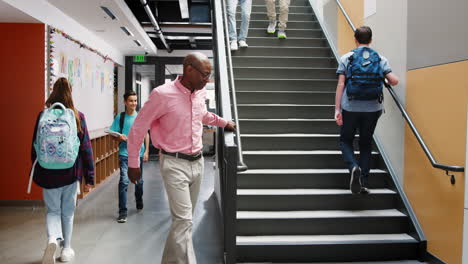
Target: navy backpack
(364, 77)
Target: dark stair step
(268, 61)
(292, 9)
(298, 141)
(292, 2)
(278, 126)
(306, 178)
(301, 16)
(316, 159)
(291, 33)
(314, 199)
(291, 24)
(283, 51)
(328, 222)
(378, 247)
(258, 84)
(284, 73)
(285, 111)
(284, 97)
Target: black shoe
(355, 183)
(122, 219)
(139, 205)
(364, 191)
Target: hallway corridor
(98, 238)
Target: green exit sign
(139, 58)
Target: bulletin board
(90, 73)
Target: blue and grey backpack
(57, 141)
(364, 77)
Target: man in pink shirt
(175, 113)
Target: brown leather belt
(183, 155)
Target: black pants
(365, 123)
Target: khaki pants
(182, 179)
(283, 8)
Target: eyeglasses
(205, 76)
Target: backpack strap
(121, 123)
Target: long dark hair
(62, 93)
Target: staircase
(294, 203)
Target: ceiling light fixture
(108, 12)
(137, 42)
(128, 32)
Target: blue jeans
(365, 122)
(246, 7)
(123, 185)
(61, 204)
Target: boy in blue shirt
(131, 102)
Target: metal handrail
(241, 166)
(338, 2)
(408, 120)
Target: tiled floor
(98, 238)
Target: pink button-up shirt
(175, 117)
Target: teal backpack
(57, 141)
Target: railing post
(230, 203)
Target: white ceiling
(9, 14)
(89, 14)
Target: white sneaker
(243, 44)
(234, 45)
(271, 27)
(67, 254)
(49, 253)
(281, 34)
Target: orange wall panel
(355, 10)
(436, 100)
(22, 81)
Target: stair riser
(283, 62)
(315, 202)
(275, 127)
(301, 181)
(294, 143)
(291, 25)
(286, 85)
(285, 98)
(284, 73)
(291, 17)
(292, 52)
(292, 9)
(292, 2)
(303, 33)
(328, 252)
(322, 226)
(329, 161)
(318, 111)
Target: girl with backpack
(61, 185)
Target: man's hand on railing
(231, 126)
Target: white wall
(46, 13)
(389, 27)
(120, 89)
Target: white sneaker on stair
(271, 27)
(234, 45)
(243, 44)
